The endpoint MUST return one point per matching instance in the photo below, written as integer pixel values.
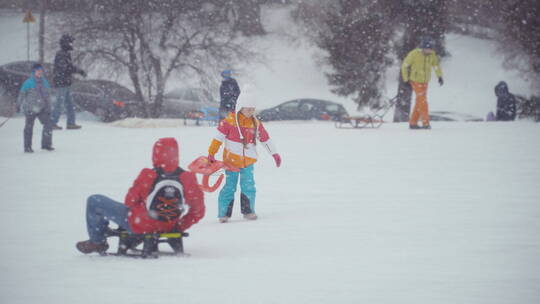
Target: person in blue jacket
(34, 101)
(229, 92)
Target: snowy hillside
(445, 216)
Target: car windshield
(332, 108)
(190, 94)
(290, 106)
(86, 89)
(123, 94)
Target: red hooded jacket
(165, 156)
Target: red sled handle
(206, 187)
(205, 167)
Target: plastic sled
(205, 167)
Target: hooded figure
(62, 79)
(229, 92)
(148, 206)
(506, 103)
(63, 65)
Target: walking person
(63, 78)
(34, 101)
(229, 92)
(240, 132)
(416, 72)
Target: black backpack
(166, 199)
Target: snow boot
(73, 127)
(56, 127)
(88, 246)
(224, 219)
(414, 127)
(28, 150)
(250, 216)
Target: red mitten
(277, 158)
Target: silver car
(187, 103)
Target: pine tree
(362, 37)
(358, 47)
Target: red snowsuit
(165, 156)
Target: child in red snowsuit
(153, 204)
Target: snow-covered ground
(391, 215)
(449, 215)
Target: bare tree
(152, 40)
(248, 17)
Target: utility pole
(28, 18)
(41, 46)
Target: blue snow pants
(99, 211)
(247, 192)
(63, 98)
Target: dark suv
(106, 99)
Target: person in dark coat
(506, 103)
(34, 101)
(63, 77)
(229, 92)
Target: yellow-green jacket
(420, 66)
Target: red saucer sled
(205, 167)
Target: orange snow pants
(420, 110)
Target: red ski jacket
(165, 156)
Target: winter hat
(427, 43)
(247, 98)
(65, 42)
(165, 154)
(226, 74)
(36, 66)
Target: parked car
(13, 74)
(108, 100)
(452, 116)
(187, 103)
(304, 109)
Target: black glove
(18, 108)
(83, 73)
(406, 84)
(441, 81)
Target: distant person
(34, 101)
(229, 92)
(416, 72)
(506, 103)
(63, 77)
(239, 132)
(154, 204)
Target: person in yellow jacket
(416, 71)
(239, 132)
